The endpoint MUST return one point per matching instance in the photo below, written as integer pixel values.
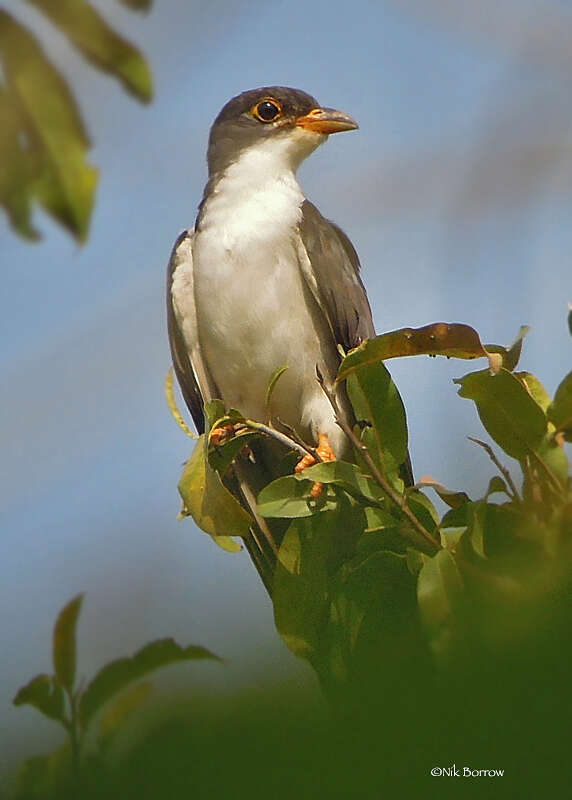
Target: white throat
(258, 196)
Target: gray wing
(331, 267)
(182, 340)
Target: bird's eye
(266, 110)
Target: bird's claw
(325, 453)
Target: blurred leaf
(289, 497)
(46, 776)
(117, 675)
(113, 718)
(439, 590)
(475, 531)
(452, 498)
(51, 135)
(439, 339)
(375, 399)
(17, 169)
(64, 643)
(457, 517)
(510, 415)
(209, 503)
(510, 355)
(560, 410)
(137, 5)
(45, 694)
(100, 44)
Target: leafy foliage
(43, 140)
(368, 559)
(58, 698)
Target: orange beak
(326, 120)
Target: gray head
(291, 118)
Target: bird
(263, 281)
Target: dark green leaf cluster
(43, 140)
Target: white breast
(254, 310)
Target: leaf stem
(399, 500)
(502, 469)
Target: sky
(456, 192)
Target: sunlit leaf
(536, 389)
(53, 133)
(64, 643)
(274, 378)
(509, 413)
(347, 476)
(453, 498)
(100, 44)
(289, 497)
(510, 355)
(18, 170)
(209, 503)
(375, 400)
(117, 675)
(440, 338)
(173, 408)
(560, 411)
(45, 694)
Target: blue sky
(456, 193)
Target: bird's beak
(326, 120)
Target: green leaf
(18, 170)
(100, 44)
(535, 389)
(509, 413)
(452, 498)
(52, 130)
(510, 355)
(64, 643)
(560, 410)
(311, 551)
(278, 372)
(347, 476)
(117, 675)
(209, 503)
(423, 509)
(440, 338)
(289, 498)
(439, 590)
(378, 519)
(45, 694)
(223, 454)
(497, 486)
(375, 399)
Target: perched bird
(264, 280)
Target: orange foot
(220, 435)
(326, 453)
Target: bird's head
(273, 122)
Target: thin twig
(280, 437)
(502, 469)
(381, 480)
(297, 438)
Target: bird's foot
(220, 435)
(326, 453)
